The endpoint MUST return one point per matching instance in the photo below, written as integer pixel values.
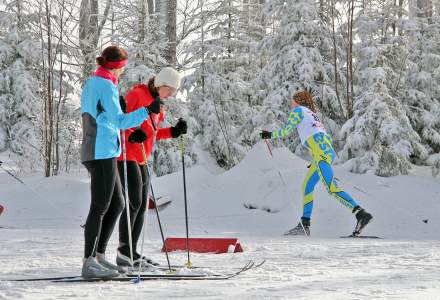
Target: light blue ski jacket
(102, 119)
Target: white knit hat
(169, 77)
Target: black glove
(123, 104)
(154, 107)
(137, 136)
(180, 128)
(265, 134)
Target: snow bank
(216, 203)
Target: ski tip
(250, 206)
(270, 210)
(361, 236)
(136, 280)
(260, 264)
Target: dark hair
(304, 98)
(111, 53)
(152, 88)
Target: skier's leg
(321, 149)
(303, 227)
(135, 197)
(114, 210)
(139, 222)
(327, 176)
(308, 187)
(323, 154)
(101, 185)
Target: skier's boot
(303, 228)
(123, 260)
(92, 269)
(145, 264)
(363, 218)
(100, 257)
(145, 260)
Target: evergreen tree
(295, 61)
(379, 136)
(420, 88)
(133, 27)
(20, 101)
(220, 88)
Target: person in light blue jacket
(102, 120)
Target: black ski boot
(363, 218)
(303, 228)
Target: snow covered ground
(44, 237)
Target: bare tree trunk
(350, 89)
(203, 47)
(151, 7)
(171, 32)
(399, 16)
(321, 10)
(244, 16)
(229, 36)
(143, 19)
(436, 8)
(44, 132)
(19, 15)
(167, 13)
(90, 31)
(49, 96)
(335, 57)
(424, 8)
(56, 168)
(160, 7)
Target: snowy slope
(46, 238)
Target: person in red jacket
(163, 86)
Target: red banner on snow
(203, 245)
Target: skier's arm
(175, 131)
(295, 117)
(113, 112)
(163, 133)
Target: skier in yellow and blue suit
(315, 138)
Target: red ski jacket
(140, 96)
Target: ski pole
(34, 192)
(127, 202)
(157, 210)
(144, 227)
(10, 173)
(182, 149)
(269, 147)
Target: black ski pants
(138, 182)
(106, 205)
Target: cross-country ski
(155, 273)
(361, 236)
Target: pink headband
(116, 64)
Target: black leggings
(106, 205)
(137, 194)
